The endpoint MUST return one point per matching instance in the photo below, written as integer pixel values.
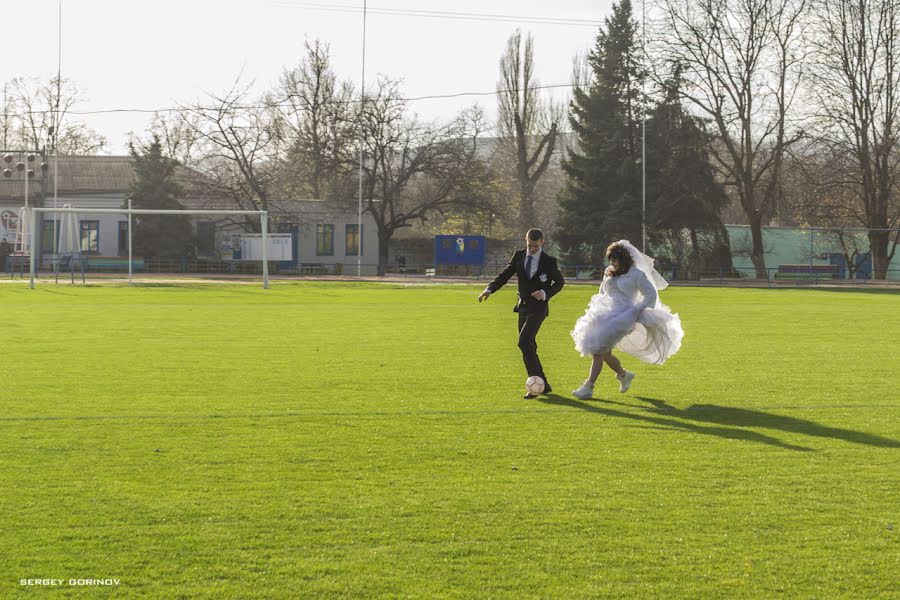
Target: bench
(312, 268)
(118, 263)
(807, 272)
(18, 263)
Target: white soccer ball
(534, 385)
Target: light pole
(643, 127)
(362, 98)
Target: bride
(627, 315)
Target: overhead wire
(285, 104)
(433, 14)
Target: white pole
(34, 216)
(643, 129)
(264, 219)
(361, 134)
(56, 139)
(130, 253)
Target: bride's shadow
(728, 422)
(743, 417)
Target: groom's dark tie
(528, 267)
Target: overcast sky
(152, 54)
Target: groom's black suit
(532, 311)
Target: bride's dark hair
(620, 253)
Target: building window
(324, 240)
(90, 236)
(206, 237)
(123, 238)
(47, 231)
(354, 240)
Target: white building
(325, 235)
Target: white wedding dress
(628, 315)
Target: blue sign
(459, 249)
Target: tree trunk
(878, 244)
(758, 252)
(526, 208)
(383, 239)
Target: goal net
(66, 249)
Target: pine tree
(602, 198)
(154, 187)
(684, 198)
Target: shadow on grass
(857, 290)
(742, 417)
(667, 423)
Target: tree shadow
(666, 423)
(742, 417)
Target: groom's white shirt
(535, 259)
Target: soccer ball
(534, 385)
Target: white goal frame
(263, 215)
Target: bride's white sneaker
(625, 381)
(585, 391)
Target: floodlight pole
(362, 103)
(55, 141)
(644, 129)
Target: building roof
(80, 175)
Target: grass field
(341, 439)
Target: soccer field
(327, 439)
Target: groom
(539, 280)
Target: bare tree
(7, 118)
(824, 200)
(528, 126)
(42, 108)
(411, 169)
(741, 63)
(178, 133)
(316, 123)
(857, 94)
(234, 137)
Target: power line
(283, 104)
(433, 14)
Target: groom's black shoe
(547, 389)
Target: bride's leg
(614, 364)
(596, 367)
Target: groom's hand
(484, 295)
(539, 295)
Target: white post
(264, 220)
(362, 97)
(55, 121)
(812, 252)
(34, 215)
(130, 259)
(643, 128)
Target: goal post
(263, 217)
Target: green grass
(331, 439)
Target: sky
(132, 54)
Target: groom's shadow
(729, 422)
